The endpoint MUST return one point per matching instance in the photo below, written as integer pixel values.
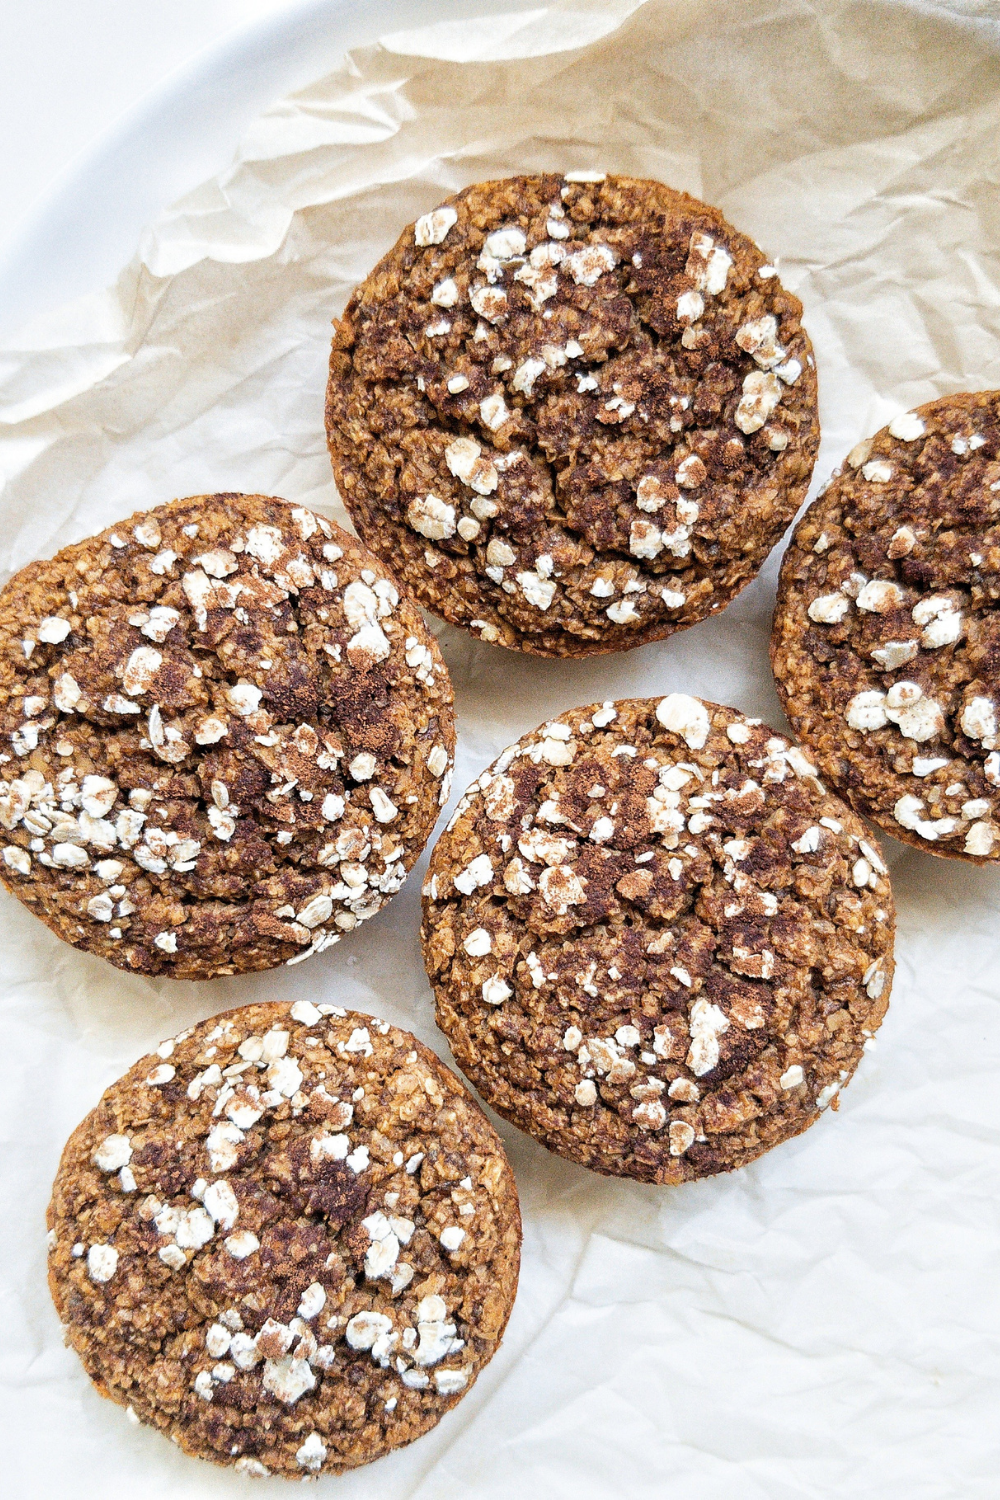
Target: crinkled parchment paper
(826, 1322)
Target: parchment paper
(827, 1322)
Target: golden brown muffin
(886, 643)
(289, 1239)
(658, 943)
(573, 414)
(224, 737)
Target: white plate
(86, 226)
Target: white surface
(826, 1322)
(110, 109)
(69, 68)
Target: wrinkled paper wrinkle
(825, 1321)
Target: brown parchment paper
(827, 1322)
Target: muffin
(288, 1239)
(658, 943)
(574, 413)
(224, 737)
(886, 643)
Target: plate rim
(85, 224)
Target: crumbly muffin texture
(658, 944)
(575, 413)
(224, 737)
(886, 643)
(289, 1239)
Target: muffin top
(289, 1239)
(886, 644)
(658, 943)
(574, 413)
(224, 737)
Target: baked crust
(292, 1268)
(886, 640)
(225, 737)
(658, 944)
(573, 415)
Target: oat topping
(659, 949)
(285, 1310)
(886, 644)
(604, 437)
(249, 788)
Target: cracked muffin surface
(224, 737)
(886, 641)
(574, 413)
(289, 1239)
(658, 944)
